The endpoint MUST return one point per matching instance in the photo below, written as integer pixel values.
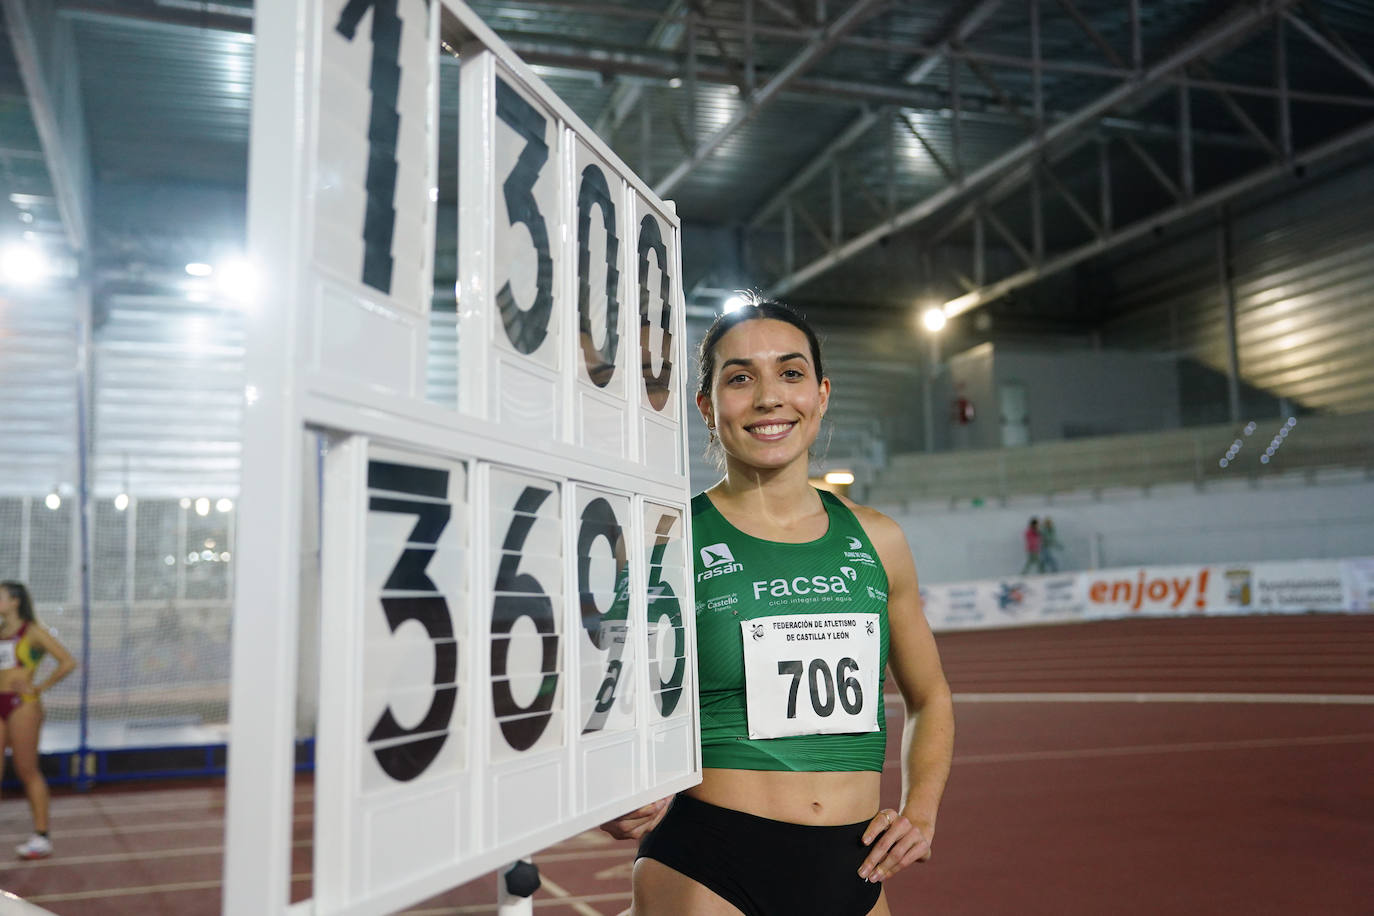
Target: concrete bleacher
(1313, 446)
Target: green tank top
(742, 578)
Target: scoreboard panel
(505, 644)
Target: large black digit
(384, 124)
(851, 692)
(820, 671)
(794, 668)
(526, 328)
(670, 691)
(406, 760)
(600, 360)
(607, 631)
(658, 386)
(529, 600)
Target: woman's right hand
(634, 825)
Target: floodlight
(236, 279)
(23, 265)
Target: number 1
(379, 224)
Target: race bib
(7, 656)
(811, 674)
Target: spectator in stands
(23, 644)
(1034, 544)
(1048, 545)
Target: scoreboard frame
(501, 587)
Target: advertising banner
(1270, 587)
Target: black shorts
(765, 867)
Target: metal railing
(1302, 445)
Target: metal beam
(62, 138)
(1227, 289)
(859, 126)
(856, 129)
(666, 34)
(1349, 61)
(1242, 23)
(1142, 227)
(761, 97)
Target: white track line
(488, 908)
(1321, 699)
(1119, 696)
(1187, 747)
(566, 898)
(147, 890)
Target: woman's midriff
(816, 799)
(15, 680)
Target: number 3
(526, 329)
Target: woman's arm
(928, 737)
(52, 646)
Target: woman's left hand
(896, 842)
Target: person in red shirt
(1033, 545)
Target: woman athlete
(804, 601)
(23, 644)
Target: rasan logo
(719, 561)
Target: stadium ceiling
(982, 146)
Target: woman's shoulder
(881, 528)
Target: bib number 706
(822, 686)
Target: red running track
(1185, 766)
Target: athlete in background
(793, 822)
(23, 644)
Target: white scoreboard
(504, 629)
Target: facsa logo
(855, 543)
(719, 561)
(801, 585)
(849, 573)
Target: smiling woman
(805, 601)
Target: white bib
(811, 674)
(8, 659)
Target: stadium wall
(1325, 516)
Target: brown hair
(755, 307)
(17, 590)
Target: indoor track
(1183, 766)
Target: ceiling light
(731, 304)
(121, 502)
(23, 265)
(236, 279)
(199, 269)
(933, 319)
(839, 478)
(53, 501)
